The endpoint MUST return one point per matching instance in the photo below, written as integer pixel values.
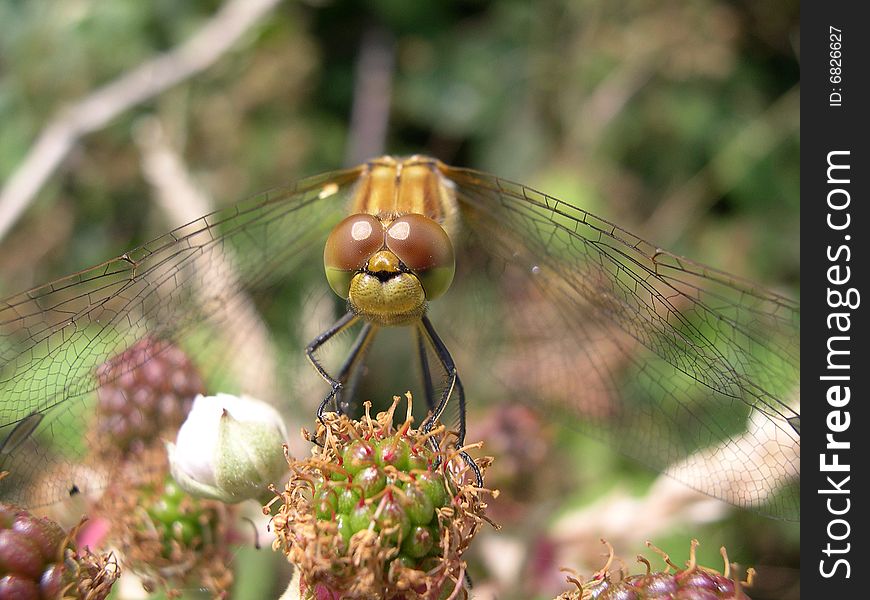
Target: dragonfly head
(388, 268)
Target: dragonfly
(510, 295)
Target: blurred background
(679, 120)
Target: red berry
(51, 583)
(19, 588)
(19, 555)
(46, 535)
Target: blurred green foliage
(619, 107)
(676, 119)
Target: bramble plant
(40, 561)
(168, 538)
(379, 511)
(693, 582)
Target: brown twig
(182, 201)
(372, 94)
(94, 111)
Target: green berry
(432, 484)
(418, 459)
(393, 451)
(430, 562)
(436, 539)
(172, 492)
(358, 455)
(348, 497)
(325, 503)
(164, 509)
(393, 523)
(370, 480)
(186, 532)
(406, 561)
(361, 516)
(418, 504)
(419, 542)
(345, 529)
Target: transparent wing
(683, 367)
(195, 287)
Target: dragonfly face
(683, 367)
(387, 267)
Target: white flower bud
(229, 448)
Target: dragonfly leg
(428, 386)
(341, 325)
(454, 384)
(460, 396)
(350, 368)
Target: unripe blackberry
(180, 520)
(38, 561)
(169, 538)
(145, 393)
(369, 515)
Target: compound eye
(425, 248)
(348, 247)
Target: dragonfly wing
(192, 287)
(683, 367)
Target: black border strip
(835, 225)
